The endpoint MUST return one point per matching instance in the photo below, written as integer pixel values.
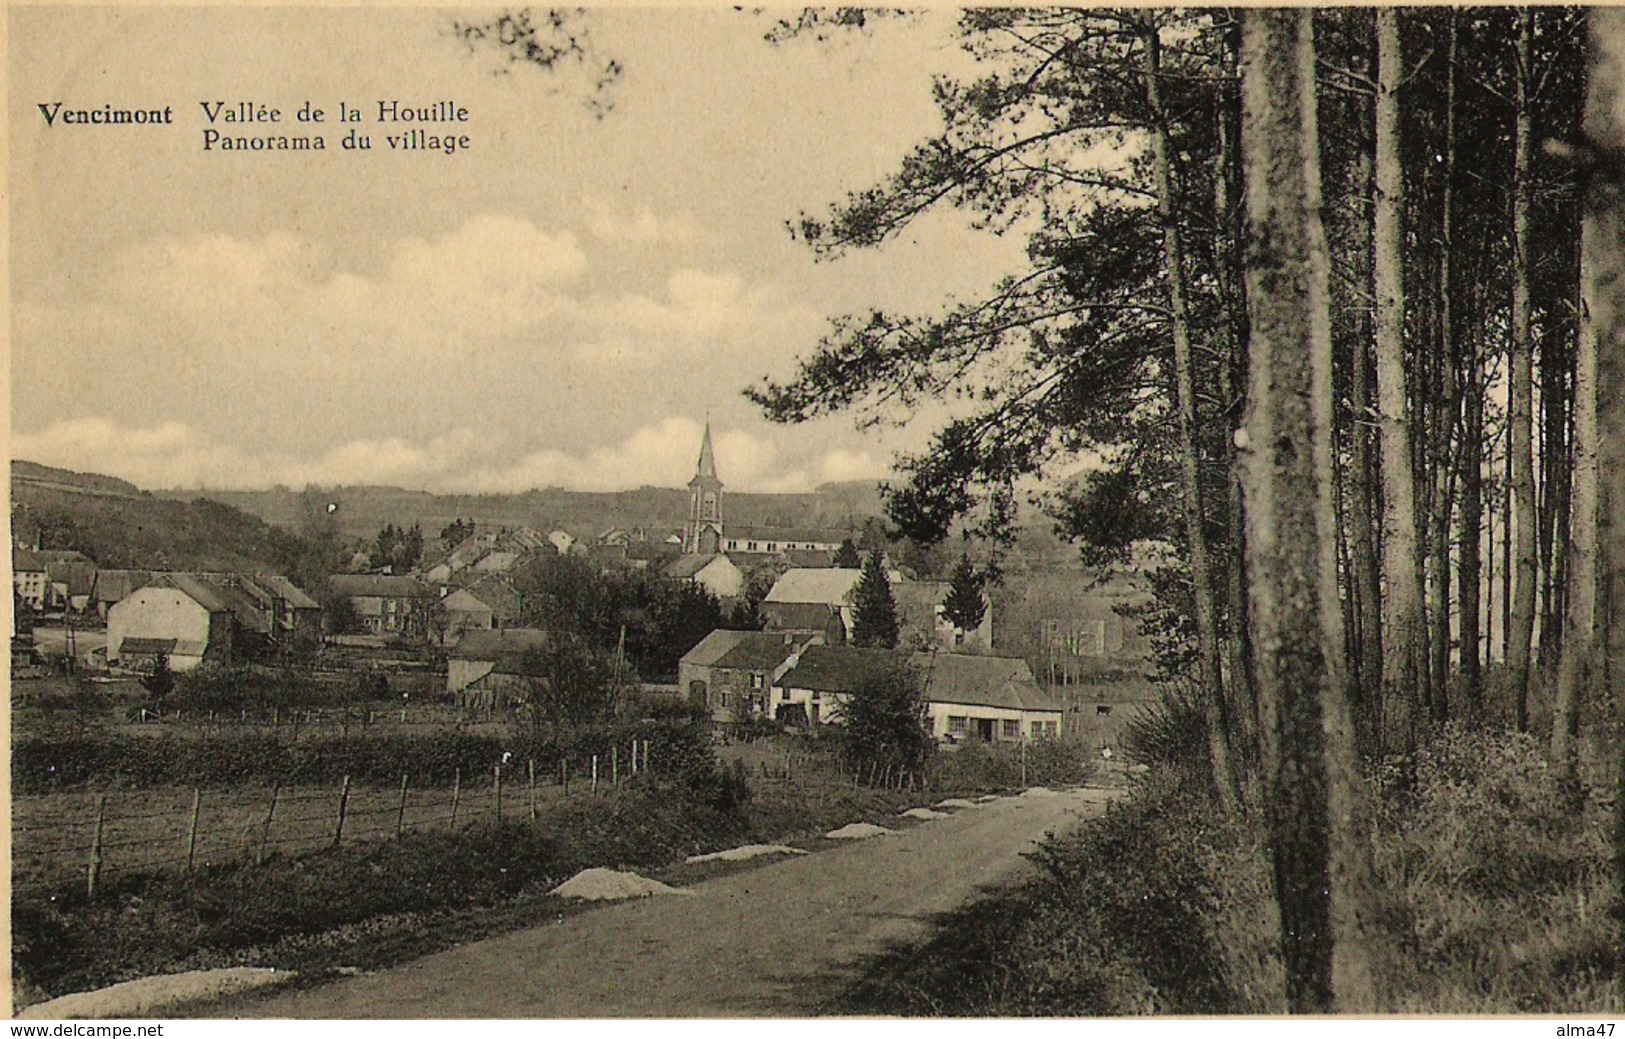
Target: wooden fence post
(496, 784)
(614, 766)
(95, 870)
(191, 831)
(344, 806)
(265, 827)
(634, 756)
(595, 773)
(530, 767)
(400, 811)
(456, 794)
(564, 775)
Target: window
(785, 694)
(1043, 729)
(958, 726)
(817, 695)
(724, 698)
(1012, 728)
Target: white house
(716, 573)
(161, 620)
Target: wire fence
(59, 839)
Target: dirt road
(778, 940)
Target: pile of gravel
(600, 885)
(924, 813)
(749, 851)
(148, 997)
(858, 832)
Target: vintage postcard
(709, 512)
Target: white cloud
(642, 228)
(661, 454)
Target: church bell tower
(702, 534)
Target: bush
(1169, 731)
(1121, 922)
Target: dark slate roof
(797, 616)
(687, 566)
(383, 586)
(218, 593)
(963, 678)
(498, 643)
(764, 650)
(288, 592)
(78, 574)
(113, 585)
(496, 593)
(26, 560)
(713, 647)
(838, 669)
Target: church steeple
(702, 534)
(707, 468)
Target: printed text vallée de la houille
(252, 126)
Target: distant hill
(33, 474)
(363, 509)
(120, 526)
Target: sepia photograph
(707, 512)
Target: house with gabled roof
(966, 696)
(113, 586)
(731, 673)
(716, 573)
(486, 604)
(388, 604)
(488, 670)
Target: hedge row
(67, 760)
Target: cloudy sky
(560, 305)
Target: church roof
(707, 467)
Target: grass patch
(1495, 897)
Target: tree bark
(1367, 688)
(1603, 289)
(1446, 407)
(1228, 194)
(1574, 668)
(1402, 565)
(1520, 402)
(1314, 809)
(1209, 667)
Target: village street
(774, 941)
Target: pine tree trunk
(1402, 565)
(1243, 696)
(1313, 803)
(1470, 563)
(1574, 667)
(1603, 289)
(1209, 668)
(1446, 407)
(1520, 403)
(1367, 688)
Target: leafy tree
(847, 556)
(884, 722)
(159, 681)
(964, 607)
(456, 532)
(570, 684)
(874, 610)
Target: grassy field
(53, 835)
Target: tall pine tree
(964, 606)
(874, 610)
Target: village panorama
(1072, 512)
